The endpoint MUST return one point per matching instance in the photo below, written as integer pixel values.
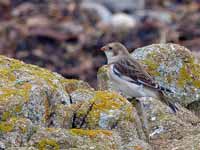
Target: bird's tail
(167, 100)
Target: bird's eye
(110, 48)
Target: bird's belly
(130, 89)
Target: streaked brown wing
(132, 70)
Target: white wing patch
(123, 77)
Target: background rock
(126, 5)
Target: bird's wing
(130, 70)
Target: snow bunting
(130, 77)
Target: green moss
(90, 133)
(45, 144)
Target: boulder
(174, 67)
(40, 109)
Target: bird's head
(114, 51)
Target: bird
(131, 78)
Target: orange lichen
(137, 147)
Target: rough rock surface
(42, 110)
(174, 67)
(168, 130)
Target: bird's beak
(103, 48)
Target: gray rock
(174, 67)
(170, 129)
(165, 17)
(101, 11)
(122, 20)
(42, 110)
(125, 5)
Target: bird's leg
(143, 116)
(143, 123)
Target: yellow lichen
(44, 74)
(45, 144)
(152, 67)
(102, 102)
(103, 69)
(22, 124)
(5, 115)
(7, 126)
(129, 114)
(184, 77)
(12, 112)
(7, 92)
(195, 71)
(7, 75)
(90, 133)
(52, 129)
(189, 74)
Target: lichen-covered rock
(103, 79)
(29, 91)
(104, 110)
(167, 129)
(15, 131)
(51, 138)
(174, 67)
(42, 110)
